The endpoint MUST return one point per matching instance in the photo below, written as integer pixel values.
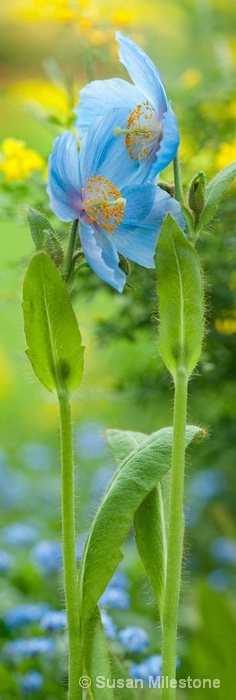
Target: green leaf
(44, 235)
(214, 192)
(138, 475)
(180, 290)
(151, 527)
(122, 442)
(51, 329)
(96, 659)
(123, 683)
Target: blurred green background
(48, 51)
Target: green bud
(197, 193)
(167, 187)
(124, 265)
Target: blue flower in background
(115, 598)
(101, 187)
(110, 628)
(32, 682)
(224, 551)
(205, 484)
(218, 580)
(36, 456)
(19, 534)
(90, 441)
(47, 554)
(24, 614)
(134, 639)
(151, 132)
(19, 649)
(53, 621)
(119, 580)
(6, 561)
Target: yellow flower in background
(191, 78)
(48, 95)
(17, 162)
(226, 326)
(226, 154)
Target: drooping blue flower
(109, 625)
(32, 682)
(101, 187)
(151, 131)
(134, 639)
(19, 649)
(24, 614)
(53, 621)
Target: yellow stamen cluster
(103, 203)
(141, 131)
(142, 128)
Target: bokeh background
(48, 51)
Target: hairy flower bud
(197, 193)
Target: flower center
(103, 203)
(143, 129)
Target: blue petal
(100, 252)
(106, 155)
(64, 181)
(143, 72)
(169, 143)
(136, 237)
(98, 97)
(165, 204)
(137, 240)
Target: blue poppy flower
(151, 132)
(101, 187)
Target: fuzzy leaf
(96, 659)
(120, 675)
(214, 192)
(180, 290)
(151, 527)
(137, 476)
(122, 442)
(44, 235)
(51, 329)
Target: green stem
(70, 250)
(175, 537)
(178, 181)
(69, 551)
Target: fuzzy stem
(175, 537)
(69, 551)
(70, 250)
(178, 181)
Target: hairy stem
(175, 537)
(69, 551)
(70, 250)
(178, 181)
